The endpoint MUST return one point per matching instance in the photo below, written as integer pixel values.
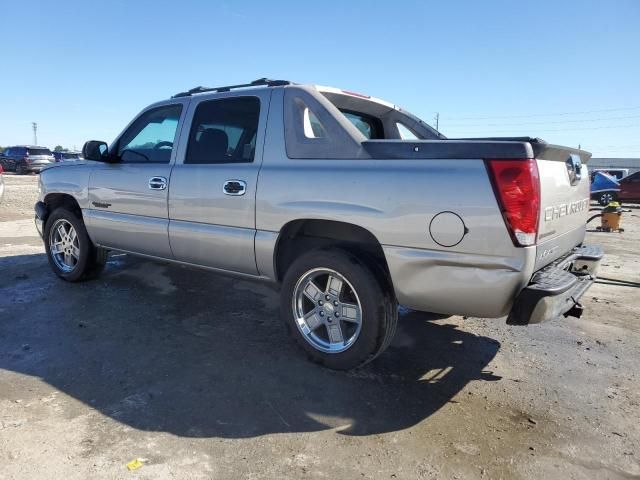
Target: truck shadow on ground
(165, 348)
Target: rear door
(564, 197)
(213, 184)
(128, 198)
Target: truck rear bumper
(556, 289)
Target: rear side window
(405, 133)
(634, 177)
(224, 131)
(39, 151)
(312, 126)
(315, 129)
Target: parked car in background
(630, 188)
(604, 188)
(26, 158)
(1, 185)
(617, 173)
(65, 156)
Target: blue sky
(566, 71)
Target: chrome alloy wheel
(327, 310)
(64, 245)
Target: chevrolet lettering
(552, 213)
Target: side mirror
(96, 150)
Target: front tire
(71, 254)
(338, 309)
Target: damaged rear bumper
(556, 289)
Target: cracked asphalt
(193, 374)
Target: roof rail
(260, 82)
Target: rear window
(39, 151)
(369, 126)
(68, 156)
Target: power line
(544, 114)
(619, 145)
(543, 122)
(582, 128)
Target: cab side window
(224, 131)
(150, 138)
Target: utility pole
(437, 119)
(35, 132)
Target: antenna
(35, 133)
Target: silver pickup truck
(347, 203)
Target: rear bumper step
(556, 289)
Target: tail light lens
(26, 159)
(516, 184)
(1, 169)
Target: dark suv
(24, 159)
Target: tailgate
(564, 200)
(39, 159)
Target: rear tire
(338, 329)
(70, 252)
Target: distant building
(633, 164)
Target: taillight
(516, 184)
(1, 169)
(26, 159)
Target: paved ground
(194, 373)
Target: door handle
(234, 187)
(158, 183)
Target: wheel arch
(301, 235)
(57, 200)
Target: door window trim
(266, 98)
(204, 102)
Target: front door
(213, 184)
(128, 198)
